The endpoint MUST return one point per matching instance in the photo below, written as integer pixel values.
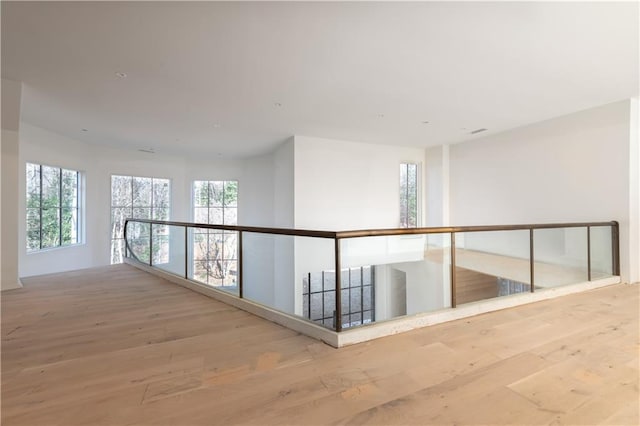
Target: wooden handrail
(374, 232)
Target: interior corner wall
(343, 185)
(573, 168)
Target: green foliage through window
(52, 207)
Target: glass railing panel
(295, 275)
(168, 248)
(139, 241)
(491, 264)
(392, 276)
(213, 258)
(560, 256)
(601, 252)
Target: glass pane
(160, 248)
(367, 297)
(230, 273)
(230, 245)
(230, 216)
(601, 252)
(33, 186)
(201, 215)
(216, 194)
(142, 213)
(121, 191)
(355, 277)
(161, 214)
(404, 220)
(316, 282)
(33, 229)
(201, 193)
(200, 271)
(215, 216)
(356, 304)
(216, 249)
(200, 245)
(329, 303)
(50, 228)
(560, 256)
(118, 215)
(69, 189)
(489, 263)
(69, 226)
(142, 192)
(117, 251)
(231, 193)
(412, 195)
(329, 280)
(140, 249)
(316, 306)
(50, 187)
(138, 230)
(161, 193)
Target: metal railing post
(453, 270)
(338, 287)
(531, 261)
(240, 268)
(151, 244)
(588, 253)
(186, 252)
(615, 249)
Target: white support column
(11, 98)
(634, 192)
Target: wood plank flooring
(117, 346)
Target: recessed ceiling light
(84, 130)
(473, 132)
(277, 104)
(380, 115)
(217, 125)
(425, 122)
(121, 74)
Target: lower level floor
(116, 346)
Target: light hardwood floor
(117, 346)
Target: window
(408, 195)
(357, 297)
(138, 198)
(52, 207)
(215, 253)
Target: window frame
(209, 233)
(78, 208)
(132, 208)
(418, 207)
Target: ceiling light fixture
(425, 122)
(473, 132)
(277, 104)
(84, 130)
(121, 74)
(380, 115)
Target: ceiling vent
(478, 131)
(148, 151)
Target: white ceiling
(205, 78)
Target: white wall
(341, 185)
(634, 190)
(569, 169)
(436, 178)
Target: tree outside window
(140, 198)
(52, 207)
(215, 253)
(408, 195)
